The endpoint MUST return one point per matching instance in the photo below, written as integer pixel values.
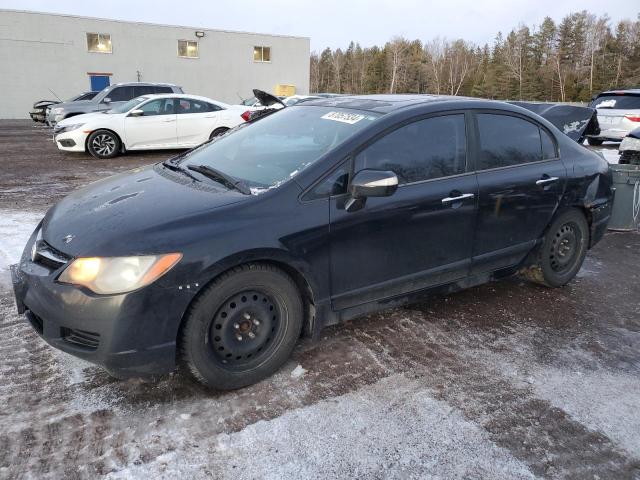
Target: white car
(149, 122)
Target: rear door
(156, 128)
(521, 181)
(420, 236)
(196, 121)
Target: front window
(261, 54)
(131, 104)
(99, 42)
(276, 148)
(188, 48)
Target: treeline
(569, 61)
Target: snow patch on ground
(391, 429)
(601, 400)
(15, 230)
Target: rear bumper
(130, 334)
(600, 216)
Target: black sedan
(220, 258)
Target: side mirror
(370, 183)
(136, 113)
(106, 100)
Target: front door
(155, 128)
(420, 236)
(521, 181)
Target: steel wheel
(244, 328)
(564, 248)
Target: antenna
(54, 94)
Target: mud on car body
(219, 259)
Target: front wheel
(562, 252)
(103, 144)
(242, 328)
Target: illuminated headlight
(113, 275)
(57, 110)
(630, 143)
(68, 128)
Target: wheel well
(219, 129)
(306, 293)
(86, 142)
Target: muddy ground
(506, 380)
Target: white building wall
(41, 51)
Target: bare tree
(435, 51)
(397, 50)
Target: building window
(261, 54)
(99, 42)
(188, 48)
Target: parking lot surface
(506, 380)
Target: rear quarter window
(505, 141)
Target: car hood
(83, 118)
(133, 212)
(574, 121)
(78, 104)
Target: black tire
(562, 252)
(217, 132)
(104, 144)
(594, 142)
(216, 342)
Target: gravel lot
(507, 380)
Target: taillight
(633, 118)
(246, 116)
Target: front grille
(82, 338)
(48, 256)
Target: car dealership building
(47, 55)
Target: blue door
(99, 82)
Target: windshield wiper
(177, 168)
(221, 177)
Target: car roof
(144, 84)
(386, 103)
(181, 95)
(621, 91)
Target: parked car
(110, 97)
(219, 258)
(618, 114)
(149, 122)
(630, 148)
(42, 107)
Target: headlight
(630, 143)
(68, 128)
(57, 110)
(112, 275)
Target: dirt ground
(507, 380)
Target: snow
(298, 372)
(15, 230)
(391, 429)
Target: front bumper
(73, 141)
(130, 334)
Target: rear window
(619, 101)
(506, 141)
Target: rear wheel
(217, 132)
(103, 144)
(562, 252)
(242, 328)
(594, 142)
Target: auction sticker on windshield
(343, 117)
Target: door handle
(544, 181)
(459, 198)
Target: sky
(334, 23)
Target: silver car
(110, 97)
(618, 114)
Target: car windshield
(274, 149)
(617, 101)
(125, 107)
